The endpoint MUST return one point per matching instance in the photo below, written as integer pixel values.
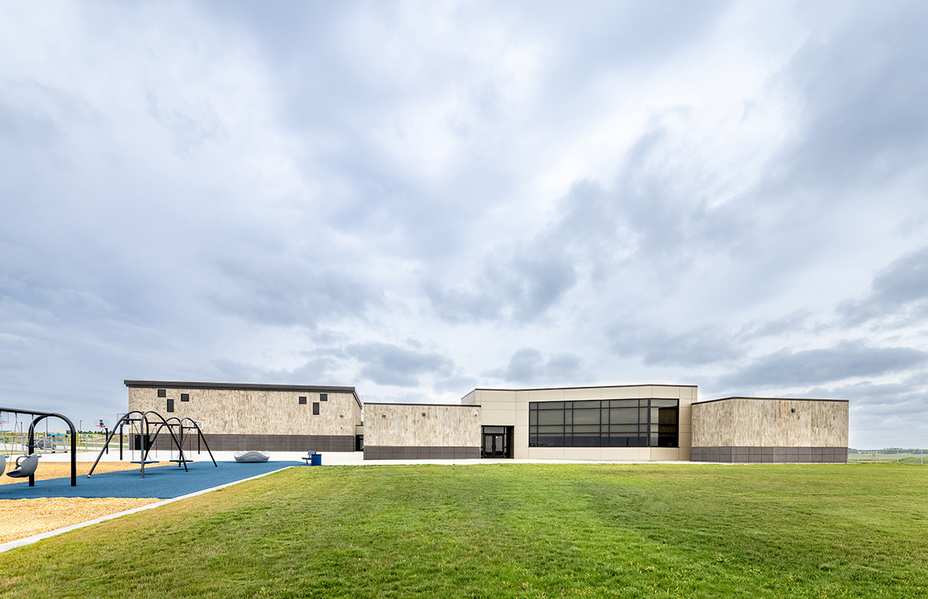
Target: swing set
(142, 440)
(27, 463)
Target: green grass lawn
(510, 530)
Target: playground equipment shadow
(162, 483)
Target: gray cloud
(285, 290)
(898, 294)
(709, 344)
(689, 348)
(528, 365)
(388, 364)
(865, 122)
(520, 288)
(322, 368)
(815, 366)
(797, 321)
(456, 384)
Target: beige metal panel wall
(510, 408)
(254, 412)
(502, 408)
(421, 425)
(773, 422)
(498, 407)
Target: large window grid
(604, 423)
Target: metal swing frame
(181, 425)
(148, 442)
(37, 417)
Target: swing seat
(2, 464)
(25, 466)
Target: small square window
(302, 400)
(185, 397)
(315, 408)
(323, 397)
(162, 393)
(170, 405)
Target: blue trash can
(315, 459)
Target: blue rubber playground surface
(163, 482)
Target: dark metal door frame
(500, 438)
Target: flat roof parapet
(768, 399)
(581, 387)
(412, 403)
(241, 386)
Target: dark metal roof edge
(696, 403)
(241, 386)
(398, 403)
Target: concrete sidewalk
(352, 458)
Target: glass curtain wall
(604, 423)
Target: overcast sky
(420, 198)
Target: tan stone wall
(241, 411)
(510, 408)
(411, 425)
(711, 423)
(742, 422)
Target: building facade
(421, 431)
(236, 416)
(769, 429)
(622, 422)
(651, 422)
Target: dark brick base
(231, 442)
(383, 452)
(770, 455)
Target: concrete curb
(58, 531)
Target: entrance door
(497, 442)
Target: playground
(48, 488)
(53, 504)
